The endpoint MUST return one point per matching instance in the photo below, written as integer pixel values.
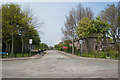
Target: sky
(52, 15)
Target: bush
(60, 49)
(101, 54)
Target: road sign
(30, 41)
(65, 47)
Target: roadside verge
(37, 56)
(75, 56)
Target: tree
(43, 46)
(72, 20)
(28, 25)
(23, 27)
(99, 29)
(18, 25)
(66, 43)
(110, 15)
(51, 48)
(0, 29)
(88, 28)
(10, 17)
(83, 31)
(56, 46)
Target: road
(55, 64)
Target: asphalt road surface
(56, 64)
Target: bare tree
(31, 22)
(110, 15)
(71, 22)
(75, 15)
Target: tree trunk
(86, 42)
(119, 52)
(12, 46)
(73, 48)
(116, 44)
(6, 49)
(22, 45)
(115, 39)
(98, 48)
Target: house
(93, 44)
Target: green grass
(101, 54)
(18, 55)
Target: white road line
(62, 56)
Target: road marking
(62, 56)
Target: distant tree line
(18, 26)
(43, 46)
(65, 44)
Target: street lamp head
(30, 41)
(81, 41)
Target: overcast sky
(52, 14)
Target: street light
(81, 47)
(30, 42)
(72, 41)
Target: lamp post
(72, 46)
(81, 47)
(30, 42)
(72, 41)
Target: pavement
(56, 64)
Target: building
(93, 44)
